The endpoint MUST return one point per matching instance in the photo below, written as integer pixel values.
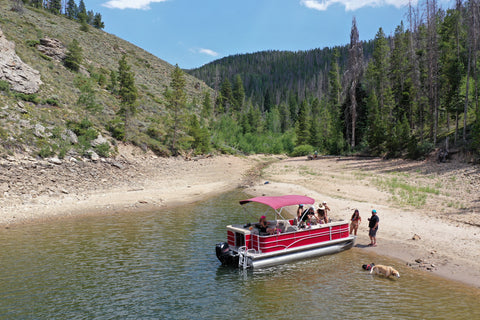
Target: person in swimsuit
(356, 219)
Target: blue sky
(191, 33)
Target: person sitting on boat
(263, 227)
(309, 215)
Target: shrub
(418, 151)
(4, 86)
(302, 150)
(103, 150)
(46, 149)
(27, 97)
(32, 43)
(53, 101)
(116, 127)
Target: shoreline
(151, 183)
(444, 245)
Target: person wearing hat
(321, 215)
(373, 228)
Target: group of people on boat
(310, 216)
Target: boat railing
(261, 243)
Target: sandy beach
(435, 203)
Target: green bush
(158, 148)
(53, 101)
(27, 97)
(302, 150)
(116, 127)
(46, 149)
(32, 43)
(4, 86)
(417, 151)
(103, 150)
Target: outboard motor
(225, 254)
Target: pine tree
(71, 10)
(226, 96)
(238, 93)
(128, 95)
(451, 66)
(267, 101)
(112, 86)
(176, 103)
(206, 106)
(97, 21)
(37, 3)
(73, 57)
(302, 127)
(377, 130)
(82, 12)
(55, 6)
(200, 135)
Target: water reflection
(162, 265)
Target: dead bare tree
(353, 74)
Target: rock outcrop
(21, 76)
(52, 48)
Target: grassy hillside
(66, 97)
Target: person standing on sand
(356, 219)
(373, 226)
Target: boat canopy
(280, 201)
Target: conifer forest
(398, 95)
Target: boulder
(53, 48)
(21, 77)
(98, 141)
(69, 136)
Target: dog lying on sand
(387, 271)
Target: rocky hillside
(48, 110)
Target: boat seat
(283, 225)
(290, 229)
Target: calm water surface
(162, 265)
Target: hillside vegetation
(84, 102)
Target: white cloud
(352, 5)
(130, 4)
(208, 52)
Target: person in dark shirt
(373, 228)
(308, 214)
(262, 226)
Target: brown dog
(387, 271)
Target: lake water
(162, 265)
